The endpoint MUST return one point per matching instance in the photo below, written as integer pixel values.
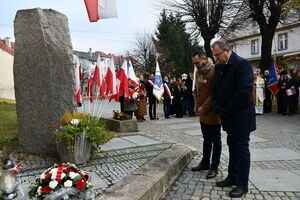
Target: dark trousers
(167, 108)
(152, 108)
(280, 106)
(212, 141)
(267, 105)
(190, 106)
(239, 157)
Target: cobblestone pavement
(104, 170)
(276, 131)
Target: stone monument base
(129, 125)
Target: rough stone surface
(44, 76)
(122, 126)
(153, 179)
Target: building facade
(7, 90)
(246, 39)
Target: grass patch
(8, 125)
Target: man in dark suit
(232, 98)
(151, 97)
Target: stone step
(152, 180)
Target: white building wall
(243, 47)
(7, 90)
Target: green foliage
(291, 5)
(8, 125)
(174, 45)
(93, 127)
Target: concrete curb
(152, 180)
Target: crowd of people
(228, 94)
(179, 101)
(287, 97)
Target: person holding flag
(167, 97)
(151, 97)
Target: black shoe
(238, 191)
(151, 118)
(143, 118)
(200, 167)
(226, 183)
(212, 173)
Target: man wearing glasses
(232, 98)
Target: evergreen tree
(174, 45)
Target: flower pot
(76, 152)
(129, 125)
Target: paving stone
(140, 140)
(272, 154)
(97, 181)
(184, 125)
(193, 132)
(275, 180)
(117, 143)
(170, 121)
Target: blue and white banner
(158, 89)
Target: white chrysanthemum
(42, 175)
(53, 184)
(68, 183)
(75, 121)
(53, 171)
(39, 190)
(63, 175)
(135, 95)
(72, 175)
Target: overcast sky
(108, 35)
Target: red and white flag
(122, 81)
(89, 91)
(101, 9)
(111, 82)
(131, 75)
(77, 79)
(97, 74)
(99, 78)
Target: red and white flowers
(57, 177)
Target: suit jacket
(232, 95)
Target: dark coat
(232, 95)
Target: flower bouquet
(78, 135)
(62, 181)
(121, 116)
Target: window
(254, 47)
(233, 47)
(282, 41)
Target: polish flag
(77, 79)
(89, 91)
(97, 74)
(111, 82)
(131, 75)
(99, 78)
(122, 81)
(101, 9)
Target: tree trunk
(266, 49)
(207, 47)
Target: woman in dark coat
(178, 101)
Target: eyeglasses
(217, 55)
